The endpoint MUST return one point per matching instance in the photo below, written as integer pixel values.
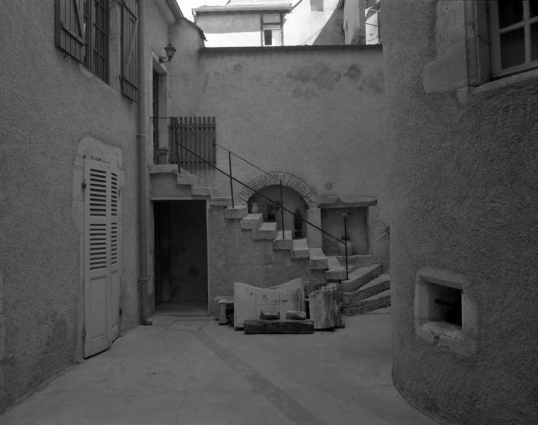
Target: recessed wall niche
(445, 315)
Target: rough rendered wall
(50, 104)
(463, 184)
(315, 113)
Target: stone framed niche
(332, 221)
(445, 315)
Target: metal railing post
(231, 178)
(345, 245)
(282, 209)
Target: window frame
(92, 48)
(272, 26)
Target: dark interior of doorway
(181, 258)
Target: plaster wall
(316, 113)
(463, 186)
(54, 114)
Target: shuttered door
(102, 256)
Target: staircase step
(284, 244)
(187, 179)
(336, 270)
(360, 277)
(300, 249)
(267, 231)
(252, 221)
(220, 201)
(358, 260)
(237, 213)
(376, 302)
(202, 191)
(318, 260)
(374, 287)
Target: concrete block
(237, 213)
(252, 221)
(267, 231)
(285, 243)
(318, 260)
(300, 249)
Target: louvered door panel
(102, 256)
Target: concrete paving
(191, 371)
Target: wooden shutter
(70, 28)
(102, 256)
(129, 60)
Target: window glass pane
(267, 37)
(533, 6)
(510, 12)
(534, 42)
(513, 48)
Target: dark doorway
(181, 258)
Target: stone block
(252, 221)
(269, 315)
(223, 306)
(202, 191)
(237, 213)
(285, 243)
(295, 315)
(267, 231)
(249, 301)
(279, 326)
(325, 307)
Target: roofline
(242, 9)
(176, 11)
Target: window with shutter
(102, 255)
(129, 35)
(82, 31)
(70, 28)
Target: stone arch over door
(288, 180)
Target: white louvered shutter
(102, 256)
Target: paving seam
(279, 398)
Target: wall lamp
(170, 52)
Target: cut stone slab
(202, 191)
(269, 315)
(279, 327)
(375, 286)
(186, 180)
(325, 307)
(267, 231)
(252, 221)
(295, 315)
(237, 213)
(360, 277)
(250, 301)
(318, 260)
(336, 271)
(376, 302)
(300, 249)
(283, 244)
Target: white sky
(186, 6)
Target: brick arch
(288, 180)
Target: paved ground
(191, 371)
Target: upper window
(514, 36)
(82, 32)
(272, 30)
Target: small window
(514, 36)
(316, 5)
(271, 29)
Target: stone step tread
(252, 217)
(268, 227)
(300, 245)
(287, 235)
(317, 254)
(378, 280)
(385, 293)
(376, 302)
(237, 213)
(361, 271)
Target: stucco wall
(53, 113)
(463, 184)
(315, 113)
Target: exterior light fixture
(170, 52)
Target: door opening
(181, 278)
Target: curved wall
(464, 188)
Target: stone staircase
(364, 289)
